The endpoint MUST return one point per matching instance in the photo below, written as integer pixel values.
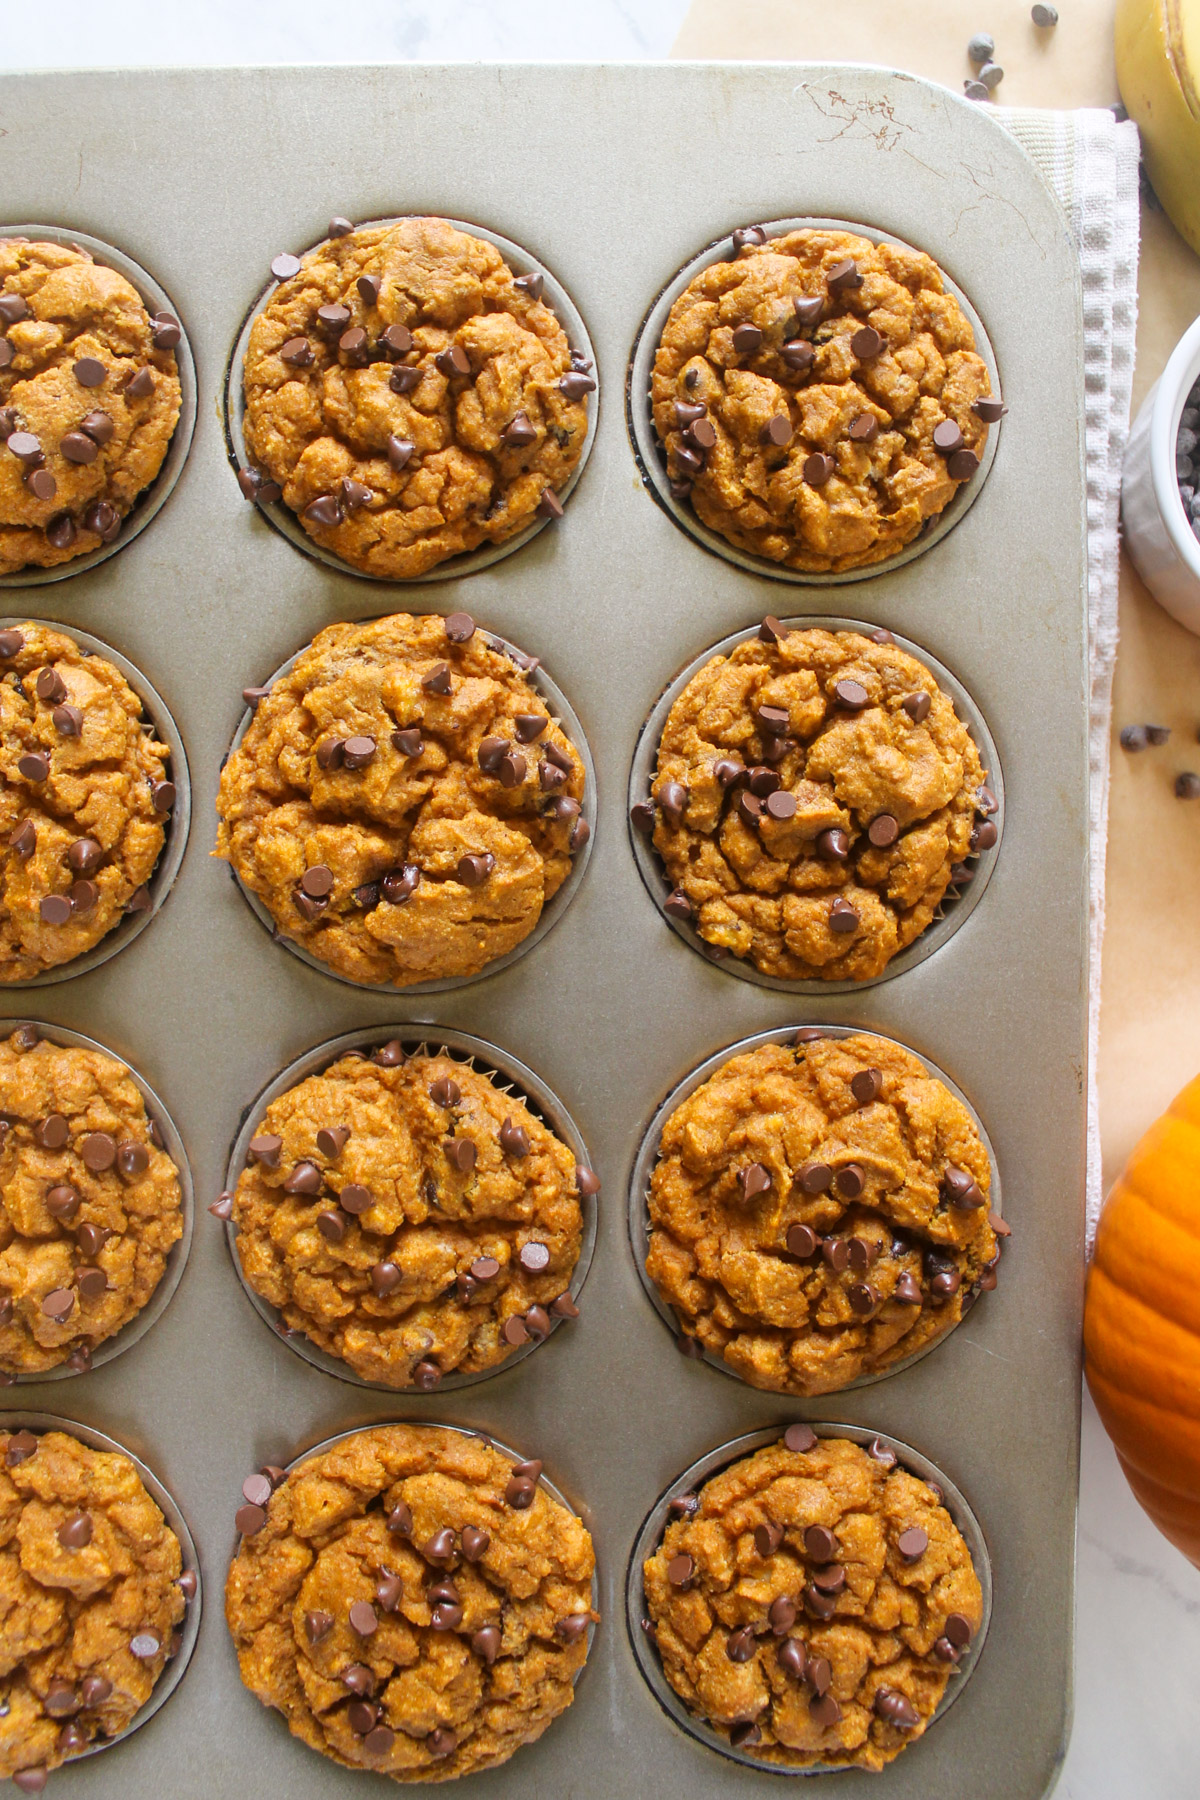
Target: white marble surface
(1138, 1656)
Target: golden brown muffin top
(85, 797)
(89, 398)
(816, 797)
(90, 1593)
(411, 397)
(412, 1216)
(412, 1602)
(90, 1204)
(819, 397)
(402, 801)
(819, 1211)
(809, 1603)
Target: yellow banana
(1158, 71)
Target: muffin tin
(462, 1047)
(647, 1160)
(155, 496)
(615, 175)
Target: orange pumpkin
(1141, 1322)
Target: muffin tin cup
(156, 494)
(648, 450)
(178, 822)
(285, 521)
(177, 1256)
(655, 1524)
(562, 710)
(176, 1668)
(463, 1047)
(647, 1160)
(955, 908)
(515, 1456)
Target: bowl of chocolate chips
(1160, 487)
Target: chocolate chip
(399, 451)
(324, 510)
(24, 445)
(962, 465)
(767, 1539)
(895, 1708)
(305, 1178)
(317, 1625)
(58, 1304)
(801, 1241)
(990, 410)
(484, 1268)
(139, 385)
(753, 1180)
(441, 1742)
(408, 742)
(792, 1658)
(317, 882)
(453, 362)
(54, 909)
(403, 381)
(883, 831)
(396, 339)
(285, 265)
(773, 720)
(917, 706)
(913, 1543)
(908, 1290)
(864, 428)
(21, 1446)
(358, 1678)
(815, 1178)
(265, 1149)
(256, 1489)
(576, 384)
(531, 284)
(358, 751)
(363, 1618)
(63, 1202)
(368, 288)
(947, 436)
(519, 1492)
(221, 1208)
(75, 1532)
(50, 686)
(866, 343)
(739, 1645)
(99, 1151)
(851, 694)
(92, 1283)
(781, 805)
(89, 372)
(84, 856)
(385, 1278)
(355, 1198)
(31, 1780)
(1187, 787)
(818, 468)
(297, 352)
(41, 484)
(799, 1438)
(849, 1181)
(798, 354)
(333, 319)
(389, 1055)
(843, 276)
(862, 1298)
(746, 339)
(331, 1226)
(945, 1284)
(332, 1140)
(866, 1085)
(549, 506)
(459, 627)
(400, 1520)
(842, 917)
(437, 680)
(833, 845)
(586, 1180)
(961, 1189)
(145, 1645)
(11, 643)
(836, 1252)
(680, 1570)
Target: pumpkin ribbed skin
(1141, 1321)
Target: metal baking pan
(615, 176)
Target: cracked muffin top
(84, 800)
(89, 398)
(402, 801)
(409, 398)
(410, 1215)
(815, 798)
(92, 1591)
(90, 1202)
(819, 1212)
(819, 398)
(811, 1601)
(412, 1602)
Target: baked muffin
(410, 398)
(89, 398)
(85, 797)
(819, 1212)
(90, 1203)
(816, 800)
(811, 1601)
(402, 802)
(411, 1216)
(93, 1590)
(819, 397)
(412, 1602)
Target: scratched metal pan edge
(647, 448)
(722, 1457)
(647, 1160)
(554, 909)
(956, 906)
(470, 562)
(14, 1419)
(176, 1259)
(179, 821)
(464, 1047)
(155, 495)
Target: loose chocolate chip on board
(974, 90)
(222, 1206)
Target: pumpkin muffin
(819, 1212)
(811, 1601)
(92, 1591)
(410, 1216)
(409, 398)
(402, 802)
(90, 1203)
(89, 398)
(816, 798)
(85, 798)
(412, 1602)
(819, 398)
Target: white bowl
(1158, 534)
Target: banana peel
(1158, 72)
